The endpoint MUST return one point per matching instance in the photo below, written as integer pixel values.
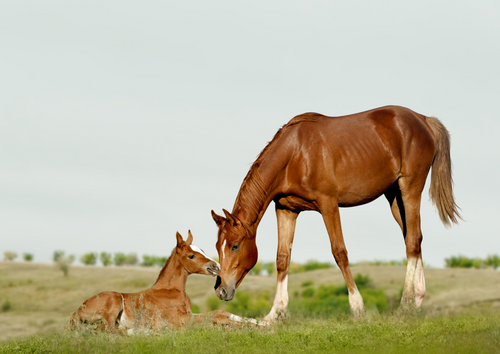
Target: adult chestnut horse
(322, 163)
(165, 303)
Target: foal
(165, 303)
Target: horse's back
(361, 155)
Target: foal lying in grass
(164, 304)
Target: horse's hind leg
(404, 198)
(286, 229)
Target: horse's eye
(191, 256)
(234, 248)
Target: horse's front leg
(286, 229)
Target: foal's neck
(173, 275)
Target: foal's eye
(234, 248)
(191, 256)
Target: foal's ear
(189, 240)
(179, 239)
(217, 218)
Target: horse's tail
(441, 189)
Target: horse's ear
(231, 218)
(217, 218)
(179, 239)
(190, 238)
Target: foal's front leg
(286, 229)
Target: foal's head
(193, 259)
(237, 254)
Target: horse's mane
(252, 194)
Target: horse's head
(237, 254)
(193, 259)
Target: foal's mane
(166, 264)
(252, 194)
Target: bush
(150, 261)
(119, 259)
(6, 306)
(329, 300)
(131, 259)
(493, 261)
(89, 258)
(269, 267)
(213, 303)
(106, 259)
(459, 262)
(62, 261)
(9, 256)
(250, 304)
(256, 270)
(28, 257)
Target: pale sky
(124, 122)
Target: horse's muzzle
(221, 291)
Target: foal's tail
(441, 189)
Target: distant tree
(9, 255)
(131, 259)
(119, 259)
(89, 258)
(257, 269)
(493, 261)
(148, 261)
(62, 261)
(106, 258)
(28, 257)
(269, 267)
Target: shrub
(459, 262)
(62, 261)
(312, 265)
(256, 270)
(269, 267)
(131, 259)
(106, 258)
(28, 257)
(9, 255)
(6, 306)
(89, 258)
(328, 300)
(493, 261)
(119, 259)
(250, 304)
(195, 308)
(150, 261)
(213, 303)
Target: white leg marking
(356, 302)
(419, 283)
(237, 318)
(280, 300)
(409, 290)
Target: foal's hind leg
(286, 229)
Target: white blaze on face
(197, 249)
(223, 247)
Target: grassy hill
(37, 298)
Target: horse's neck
(172, 276)
(255, 194)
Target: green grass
(461, 312)
(458, 334)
